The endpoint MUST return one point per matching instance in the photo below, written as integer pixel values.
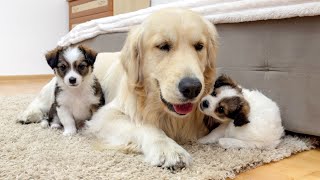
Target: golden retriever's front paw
(167, 154)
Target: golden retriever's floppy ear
(211, 54)
(52, 56)
(89, 54)
(131, 57)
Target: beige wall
(28, 29)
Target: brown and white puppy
(248, 118)
(77, 92)
(231, 106)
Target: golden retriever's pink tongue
(183, 108)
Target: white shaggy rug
(30, 152)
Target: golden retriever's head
(172, 53)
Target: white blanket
(216, 11)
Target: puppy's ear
(210, 70)
(52, 56)
(241, 112)
(240, 120)
(89, 54)
(224, 80)
(132, 57)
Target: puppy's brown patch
(89, 54)
(62, 68)
(52, 56)
(82, 67)
(222, 81)
(235, 108)
(57, 62)
(53, 109)
(98, 93)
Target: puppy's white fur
(263, 131)
(72, 54)
(75, 104)
(75, 101)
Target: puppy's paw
(44, 124)
(30, 116)
(167, 154)
(69, 131)
(55, 126)
(203, 141)
(230, 143)
(206, 140)
(224, 144)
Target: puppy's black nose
(204, 104)
(190, 87)
(72, 80)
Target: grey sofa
(279, 57)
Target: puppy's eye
(220, 110)
(82, 66)
(62, 67)
(214, 93)
(198, 46)
(164, 47)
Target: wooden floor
(22, 85)
(303, 166)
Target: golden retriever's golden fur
(141, 86)
(151, 70)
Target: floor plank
(303, 166)
(16, 87)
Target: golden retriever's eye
(198, 46)
(164, 47)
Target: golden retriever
(154, 86)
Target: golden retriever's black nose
(190, 87)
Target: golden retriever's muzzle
(189, 88)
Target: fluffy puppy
(77, 94)
(248, 118)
